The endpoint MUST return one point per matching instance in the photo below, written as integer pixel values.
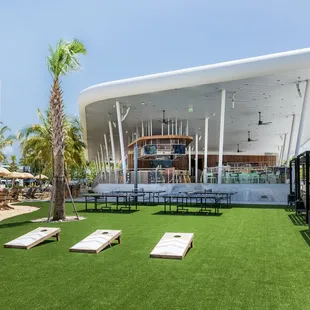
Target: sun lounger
(33, 238)
(173, 245)
(97, 241)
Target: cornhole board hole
(173, 245)
(33, 238)
(97, 241)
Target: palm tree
(61, 61)
(36, 144)
(5, 140)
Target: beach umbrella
(4, 171)
(14, 175)
(43, 177)
(28, 175)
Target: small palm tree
(36, 144)
(61, 61)
(5, 140)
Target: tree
(61, 61)
(5, 140)
(36, 145)
(13, 166)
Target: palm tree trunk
(58, 151)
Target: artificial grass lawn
(250, 257)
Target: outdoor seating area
(236, 252)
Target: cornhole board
(33, 238)
(173, 245)
(97, 241)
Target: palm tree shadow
(14, 224)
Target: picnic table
(226, 196)
(125, 199)
(183, 201)
(150, 197)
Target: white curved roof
(259, 72)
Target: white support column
(181, 128)
(142, 130)
(137, 132)
(96, 165)
(151, 128)
(168, 126)
(103, 163)
(283, 149)
(99, 161)
(196, 159)
(176, 126)
(302, 118)
(113, 151)
(172, 129)
(121, 140)
(162, 129)
(290, 141)
(187, 130)
(221, 142)
(107, 154)
(280, 155)
(205, 165)
(189, 159)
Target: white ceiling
(274, 95)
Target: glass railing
(239, 175)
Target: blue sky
(130, 38)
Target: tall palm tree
(61, 61)
(36, 144)
(5, 140)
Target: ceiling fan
(260, 122)
(238, 149)
(165, 120)
(249, 137)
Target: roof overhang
(261, 73)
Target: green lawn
(250, 257)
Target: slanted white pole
(181, 128)
(221, 142)
(205, 165)
(151, 128)
(162, 129)
(142, 129)
(189, 148)
(137, 132)
(187, 131)
(107, 154)
(113, 151)
(176, 126)
(302, 118)
(290, 141)
(168, 127)
(99, 162)
(283, 149)
(103, 162)
(121, 140)
(196, 159)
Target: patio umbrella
(4, 171)
(43, 177)
(14, 175)
(28, 175)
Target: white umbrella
(4, 171)
(28, 175)
(14, 175)
(43, 177)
